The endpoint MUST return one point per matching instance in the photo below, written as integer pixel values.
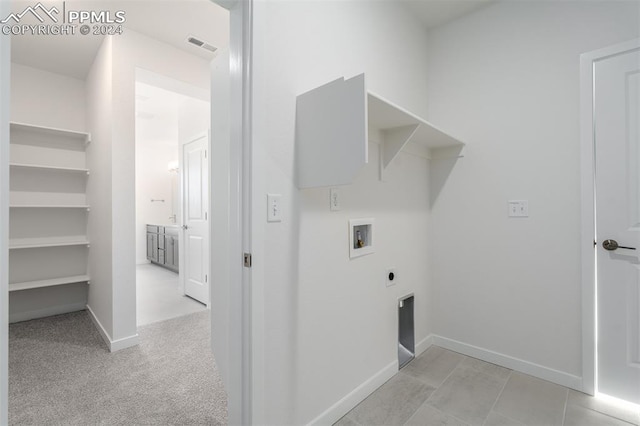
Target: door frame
(240, 397)
(588, 236)
(5, 91)
(244, 347)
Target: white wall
(131, 51)
(47, 99)
(154, 181)
(221, 263)
(193, 119)
(329, 324)
(506, 81)
(99, 186)
(167, 114)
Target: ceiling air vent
(203, 44)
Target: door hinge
(247, 260)
(205, 153)
(206, 216)
(206, 278)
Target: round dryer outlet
(391, 277)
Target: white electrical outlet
(518, 208)
(334, 199)
(274, 208)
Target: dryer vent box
(406, 336)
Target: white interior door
(195, 219)
(617, 152)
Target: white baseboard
(346, 404)
(96, 322)
(424, 344)
(47, 312)
(124, 343)
(114, 345)
(539, 371)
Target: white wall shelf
(48, 206)
(52, 168)
(52, 131)
(398, 127)
(26, 285)
(335, 121)
(48, 172)
(26, 243)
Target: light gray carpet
(61, 373)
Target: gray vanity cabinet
(171, 248)
(152, 243)
(162, 246)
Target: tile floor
(441, 387)
(159, 297)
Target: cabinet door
(176, 256)
(152, 247)
(149, 246)
(168, 251)
(174, 249)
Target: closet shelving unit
(48, 206)
(335, 121)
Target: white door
(617, 152)
(195, 219)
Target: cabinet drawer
(161, 256)
(161, 242)
(152, 228)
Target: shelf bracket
(448, 153)
(393, 140)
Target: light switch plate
(518, 208)
(334, 199)
(274, 208)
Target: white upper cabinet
(333, 123)
(331, 133)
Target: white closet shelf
(71, 134)
(49, 283)
(48, 206)
(335, 121)
(26, 243)
(399, 127)
(53, 168)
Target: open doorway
(172, 266)
(100, 101)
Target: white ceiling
(171, 21)
(437, 12)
